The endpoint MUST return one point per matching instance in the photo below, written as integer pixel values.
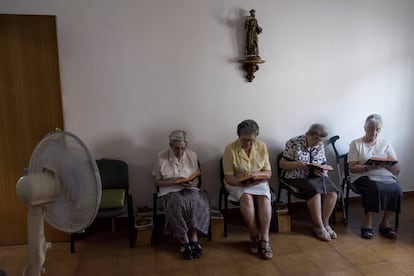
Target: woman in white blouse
(378, 183)
(186, 207)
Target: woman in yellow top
(243, 158)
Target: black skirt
(311, 186)
(377, 196)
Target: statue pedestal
(250, 66)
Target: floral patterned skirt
(184, 210)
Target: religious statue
(252, 58)
(253, 29)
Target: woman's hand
(193, 183)
(292, 165)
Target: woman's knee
(247, 200)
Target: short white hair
(177, 135)
(373, 119)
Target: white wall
(132, 71)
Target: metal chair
(290, 190)
(350, 186)
(114, 178)
(340, 206)
(157, 212)
(223, 199)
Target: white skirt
(236, 192)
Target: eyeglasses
(249, 139)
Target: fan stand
(37, 245)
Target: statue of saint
(253, 29)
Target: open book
(320, 166)
(251, 178)
(381, 161)
(188, 179)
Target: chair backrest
(280, 171)
(221, 172)
(114, 174)
(346, 168)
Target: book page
(188, 179)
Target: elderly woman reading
(300, 152)
(248, 158)
(186, 207)
(377, 183)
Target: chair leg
(209, 231)
(131, 223)
(289, 201)
(346, 204)
(225, 215)
(274, 227)
(279, 191)
(154, 240)
(72, 243)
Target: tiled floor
(295, 253)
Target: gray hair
(317, 130)
(177, 135)
(373, 119)
(248, 127)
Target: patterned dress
(304, 179)
(184, 208)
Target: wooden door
(30, 107)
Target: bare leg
(185, 239)
(248, 213)
(329, 202)
(386, 219)
(265, 216)
(192, 233)
(368, 220)
(314, 206)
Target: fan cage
(77, 202)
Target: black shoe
(196, 249)
(186, 251)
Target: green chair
(115, 200)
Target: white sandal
(331, 232)
(322, 234)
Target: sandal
(266, 250)
(322, 234)
(331, 232)
(388, 232)
(186, 251)
(196, 249)
(254, 245)
(367, 233)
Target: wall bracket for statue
(252, 58)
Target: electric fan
(63, 186)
